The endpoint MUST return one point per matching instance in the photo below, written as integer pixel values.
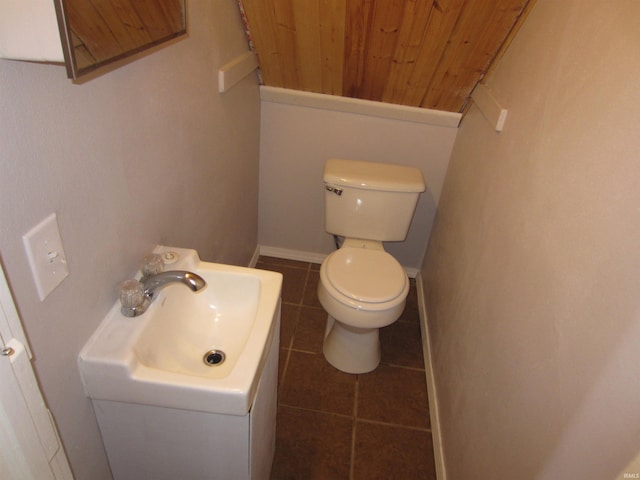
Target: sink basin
(158, 357)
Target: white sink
(157, 358)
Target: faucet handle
(152, 264)
(131, 297)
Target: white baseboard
(254, 258)
(311, 257)
(289, 254)
(431, 388)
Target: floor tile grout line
(354, 426)
(299, 350)
(352, 456)
(292, 304)
(356, 394)
(284, 373)
(404, 367)
(392, 365)
(389, 424)
(280, 387)
(313, 410)
(356, 419)
(306, 284)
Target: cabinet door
(264, 411)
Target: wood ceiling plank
(451, 66)
(261, 21)
(410, 40)
(332, 44)
(406, 53)
(357, 18)
(286, 42)
(481, 29)
(410, 77)
(260, 33)
(512, 33)
(383, 35)
(306, 17)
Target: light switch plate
(46, 255)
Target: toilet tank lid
(373, 175)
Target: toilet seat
(366, 275)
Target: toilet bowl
(362, 288)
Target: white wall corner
(434, 416)
(490, 107)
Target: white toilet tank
(370, 200)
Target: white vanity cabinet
(146, 442)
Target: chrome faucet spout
(154, 283)
(136, 296)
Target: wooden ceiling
(421, 53)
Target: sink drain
(213, 357)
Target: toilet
(362, 287)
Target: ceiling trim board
(360, 107)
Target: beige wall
(295, 141)
(533, 269)
(148, 153)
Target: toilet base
(351, 349)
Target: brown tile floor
(332, 425)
